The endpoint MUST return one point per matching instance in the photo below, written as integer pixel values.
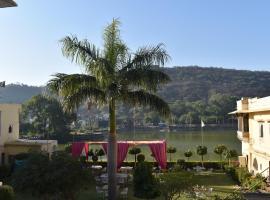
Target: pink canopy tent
(158, 149)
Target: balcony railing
(243, 136)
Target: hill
(199, 83)
(189, 83)
(18, 93)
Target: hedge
(7, 192)
(189, 164)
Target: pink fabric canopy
(78, 148)
(159, 152)
(122, 149)
(158, 149)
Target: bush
(60, 177)
(173, 184)
(7, 192)
(5, 171)
(140, 158)
(144, 183)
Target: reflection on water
(184, 140)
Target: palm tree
(112, 75)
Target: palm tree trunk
(112, 149)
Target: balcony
(243, 136)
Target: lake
(184, 140)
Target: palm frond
(148, 56)
(64, 84)
(148, 79)
(81, 95)
(81, 52)
(142, 98)
(114, 48)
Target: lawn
(221, 183)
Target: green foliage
(134, 151)
(188, 154)
(173, 184)
(233, 196)
(140, 158)
(60, 177)
(201, 151)
(171, 150)
(7, 192)
(144, 183)
(45, 115)
(5, 172)
(229, 154)
(68, 148)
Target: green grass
(221, 183)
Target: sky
(224, 33)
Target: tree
(100, 153)
(134, 151)
(46, 116)
(188, 154)
(112, 75)
(61, 177)
(229, 154)
(201, 151)
(171, 150)
(220, 150)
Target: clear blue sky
(221, 33)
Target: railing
(253, 186)
(244, 136)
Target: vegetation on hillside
(194, 93)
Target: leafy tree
(188, 154)
(134, 151)
(173, 184)
(61, 177)
(220, 150)
(229, 154)
(45, 115)
(201, 151)
(112, 75)
(171, 150)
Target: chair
(100, 192)
(124, 193)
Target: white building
(10, 144)
(254, 132)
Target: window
(10, 129)
(261, 130)
(246, 124)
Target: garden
(36, 176)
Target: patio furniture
(126, 169)
(100, 192)
(124, 193)
(96, 167)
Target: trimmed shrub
(144, 183)
(7, 192)
(140, 158)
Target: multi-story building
(254, 132)
(10, 144)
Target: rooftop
(7, 3)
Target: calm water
(184, 140)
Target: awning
(249, 111)
(7, 3)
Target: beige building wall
(255, 142)
(9, 124)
